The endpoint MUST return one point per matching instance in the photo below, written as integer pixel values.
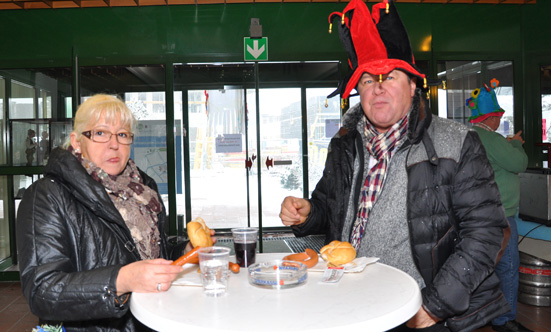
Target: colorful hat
(376, 43)
(483, 103)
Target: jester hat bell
(483, 103)
(375, 43)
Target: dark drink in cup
(245, 253)
(244, 243)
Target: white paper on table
(357, 265)
(189, 276)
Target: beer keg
(534, 281)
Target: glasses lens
(101, 136)
(124, 138)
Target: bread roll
(338, 253)
(199, 233)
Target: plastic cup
(244, 242)
(213, 262)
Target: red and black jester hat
(376, 44)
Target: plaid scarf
(380, 146)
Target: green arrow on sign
(256, 49)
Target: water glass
(213, 262)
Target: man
(417, 191)
(507, 158)
(30, 146)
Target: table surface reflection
(377, 299)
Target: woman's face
(110, 156)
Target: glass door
(280, 134)
(242, 154)
(214, 146)
(217, 155)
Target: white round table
(376, 299)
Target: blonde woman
(93, 229)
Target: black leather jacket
(72, 242)
(457, 224)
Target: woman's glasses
(102, 136)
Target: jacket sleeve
(509, 155)
(481, 226)
(330, 199)
(48, 247)
(318, 221)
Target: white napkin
(357, 265)
(189, 276)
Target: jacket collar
(66, 168)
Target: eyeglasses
(102, 136)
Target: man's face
(385, 103)
(494, 122)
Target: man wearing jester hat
(508, 159)
(411, 188)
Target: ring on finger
(159, 287)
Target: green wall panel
(296, 31)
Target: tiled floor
(16, 317)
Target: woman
(94, 228)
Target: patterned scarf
(136, 202)
(380, 146)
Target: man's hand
(294, 210)
(517, 137)
(421, 319)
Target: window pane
(21, 101)
(179, 147)
(2, 120)
(45, 104)
(281, 143)
(4, 222)
(545, 83)
(20, 184)
(217, 157)
(149, 148)
(323, 123)
(460, 78)
(37, 100)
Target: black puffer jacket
(457, 225)
(72, 242)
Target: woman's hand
(294, 210)
(147, 276)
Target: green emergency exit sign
(256, 49)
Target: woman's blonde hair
(112, 108)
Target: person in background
(44, 148)
(94, 229)
(508, 159)
(30, 146)
(411, 188)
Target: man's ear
(413, 85)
